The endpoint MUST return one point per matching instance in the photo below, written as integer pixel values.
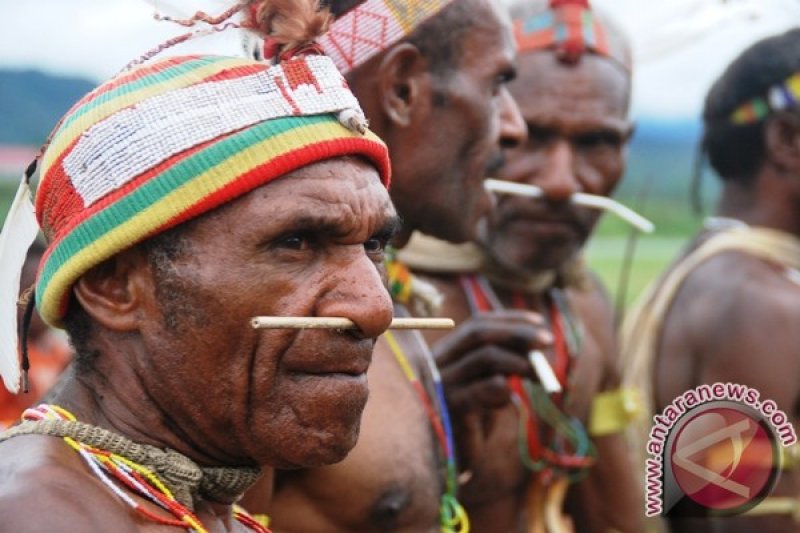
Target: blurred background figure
(726, 310)
(48, 351)
(535, 451)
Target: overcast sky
(680, 45)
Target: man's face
(577, 133)
(457, 143)
(308, 244)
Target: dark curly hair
(735, 151)
(161, 250)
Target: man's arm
(609, 497)
(736, 320)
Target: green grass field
(652, 253)
(7, 190)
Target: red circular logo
(724, 458)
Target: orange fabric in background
(48, 357)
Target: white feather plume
(19, 232)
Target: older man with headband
(180, 199)
(431, 76)
(559, 436)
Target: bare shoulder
(44, 487)
(593, 304)
(593, 307)
(734, 295)
(738, 317)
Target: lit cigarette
(332, 322)
(587, 200)
(545, 372)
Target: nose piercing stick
(579, 198)
(332, 322)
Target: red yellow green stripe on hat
(169, 141)
(375, 26)
(570, 28)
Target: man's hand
(475, 360)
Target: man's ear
(114, 291)
(782, 140)
(403, 81)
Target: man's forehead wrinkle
(575, 121)
(337, 217)
(331, 224)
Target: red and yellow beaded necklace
(136, 478)
(550, 442)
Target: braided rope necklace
(139, 479)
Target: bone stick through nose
(587, 200)
(333, 322)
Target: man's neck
(764, 204)
(112, 395)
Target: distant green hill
(662, 156)
(658, 178)
(661, 153)
(31, 102)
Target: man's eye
(375, 245)
(538, 136)
(506, 77)
(599, 139)
(294, 242)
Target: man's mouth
(341, 376)
(584, 200)
(542, 227)
(541, 216)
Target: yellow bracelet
(612, 411)
(261, 519)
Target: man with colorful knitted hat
(431, 76)
(726, 310)
(179, 200)
(540, 443)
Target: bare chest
(393, 478)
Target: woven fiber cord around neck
(185, 478)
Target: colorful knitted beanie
(570, 28)
(166, 142)
(373, 27)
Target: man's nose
(557, 178)
(358, 292)
(513, 131)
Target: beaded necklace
(137, 478)
(549, 442)
(452, 515)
